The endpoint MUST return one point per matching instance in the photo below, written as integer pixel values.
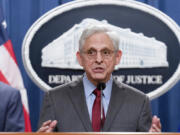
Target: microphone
(101, 86)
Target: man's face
(98, 57)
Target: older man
(74, 107)
(11, 114)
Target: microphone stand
(101, 87)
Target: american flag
(9, 70)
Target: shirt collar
(89, 87)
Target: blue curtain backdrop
(20, 15)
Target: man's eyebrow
(91, 48)
(105, 48)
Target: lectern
(88, 133)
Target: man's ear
(118, 56)
(79, 58)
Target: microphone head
(101, 86)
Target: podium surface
(89, 133)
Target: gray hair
(87, 32)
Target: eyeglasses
(105, 54)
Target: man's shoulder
(8, 96)
(6, 90)
(129, 90)
(64, 87)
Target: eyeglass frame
(104, 56)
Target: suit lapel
(116, 101)
(77, 96)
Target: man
(11, 114)
(71, 106)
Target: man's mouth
(98, 70)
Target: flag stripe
(8, 46)
(9, 68)
(27, 120)
(2, 78)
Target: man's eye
(106, 52)
(91, 52)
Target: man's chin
(99, 79)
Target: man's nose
(99, 57)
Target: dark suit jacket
(11, 114)
(128, 111)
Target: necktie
(97, 123)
